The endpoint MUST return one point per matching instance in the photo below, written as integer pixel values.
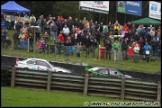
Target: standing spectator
(87, 45)
(98, 36)
(136, 36)
(116, 46)
(37, 33)
(152, 33)
(129, 24)
(124, 50)
(67, 45)
(136, 53)
(26, 16)
(41, 23)
(154, 46)
(54, 31)
(84, 22)
(61, 37)
(32, 18)
(142, 32)
(3, 37)
(141, 43)
(109, 25)
(93, 45)
(16, 40)
(22, 39)
(85, 31)
(125, 29)
(78, 48)
(116, 28)
(12, 18)
(8, 43)
(133, 29)
(108, 49)
(31, 42)
(148, 37)
(65, 32)
(46, 36)
(76, 22)
(147, 49)
(24, 29)
(70, 23)
(59, 46)
(80, 25)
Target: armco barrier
(120, 88)
(10, 62)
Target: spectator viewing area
(119, 40)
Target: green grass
(142, 66)
(21, 97)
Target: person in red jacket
(125, 28)
(61, 37)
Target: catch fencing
(120, 88)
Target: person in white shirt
(65, 32)
(136, 53)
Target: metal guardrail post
(122, 88)
(159, 91)
(49, 80)
(13, 77)
(86, 84)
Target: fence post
(13, 77)
(159, 91)
(86, 84)
(49, 80)
(122, 88)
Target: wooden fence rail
(99, 86)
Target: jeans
(16, 42)
(54, 36)
(116, 55)
(67, 50)
(108, 54)
(124, 55)
(21, 44)
(135, 57)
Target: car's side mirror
(115, 72)
(34, 63)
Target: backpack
(54, 28)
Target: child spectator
(136, 53)
(78, 48)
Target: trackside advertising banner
(95, 6)
(130, 7)
(155, 10)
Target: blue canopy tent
(12, 6)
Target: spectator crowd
(84, 35)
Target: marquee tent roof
(12, 6)
(146, 21)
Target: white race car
(39, 64)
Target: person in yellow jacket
(116, 28)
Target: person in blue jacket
(147, 50)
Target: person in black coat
(154, 46)
(31, 42)
(16, 40)
(148, 37)
(108, 46)
(87, 45)
(124, 50)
